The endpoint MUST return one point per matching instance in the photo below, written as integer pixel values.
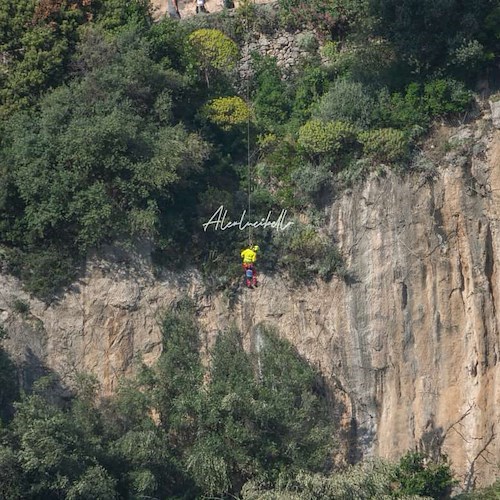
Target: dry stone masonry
(289, 49)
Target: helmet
(255, 248)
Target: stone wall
(289, 49)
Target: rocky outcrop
(409, 341)
(495, 111)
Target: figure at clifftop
(200, 6)
(173, 9)
(249, 256)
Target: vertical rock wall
(409, 342)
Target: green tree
(427, 32)
(38, 41)
(417, 474)
(50, 453)
(215, 52)
(292, 411)
(95, 483)
(92, 162)
(347, 101)
(271, 102)
(11, 480)
(14, 17)
(180, 374)
(8, 381)
(310, 84)
(224, 456)
(114, 15)
(138, 451)
(264, 416)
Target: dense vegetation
(115, 128)
(258, 426)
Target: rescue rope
(247, 66)
(248, 312)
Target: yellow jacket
(248, 256)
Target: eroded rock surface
(410, 341)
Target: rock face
(495, 112)
(410, 340)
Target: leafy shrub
(309, 86)
(372, 62)
(346, 101)
(310, 180)
(307, 253)
(318, 138)
(271, 103)
(417, 474)
(411, 479)
(420, 103)
(307, 41)
(424, 31)
(385, 145)
(445, 96)
(328, 51)
(402, 109)
(354, 172)
(329, 17)
(365, 481)
(274, 172)
(44, 272)
(469, 56)
(20, 306)
(489, 493)
(227, 112)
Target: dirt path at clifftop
(187, 8)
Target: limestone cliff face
(409, 342)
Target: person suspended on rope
(249, 256)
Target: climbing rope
(248, 311)
(247, 76)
